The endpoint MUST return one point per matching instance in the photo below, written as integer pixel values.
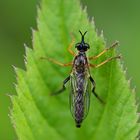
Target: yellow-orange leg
(104, 62)
(56, 62)
(71, 45)
(97, 56)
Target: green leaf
(38, 116)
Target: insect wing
(87, 99)
(85, 95)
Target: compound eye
(78, 46)
(87, 45)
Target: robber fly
(80, 79)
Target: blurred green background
(119, 20)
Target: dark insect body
(80, 79)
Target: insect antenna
(82, 35)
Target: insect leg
(93, 90)
(63, 87)
(111, 47)
(56, 62)
(71, 45)
(106, 61)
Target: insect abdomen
(79, 109)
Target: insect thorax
(80, 63)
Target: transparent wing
(87, 99)
(84, 97)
